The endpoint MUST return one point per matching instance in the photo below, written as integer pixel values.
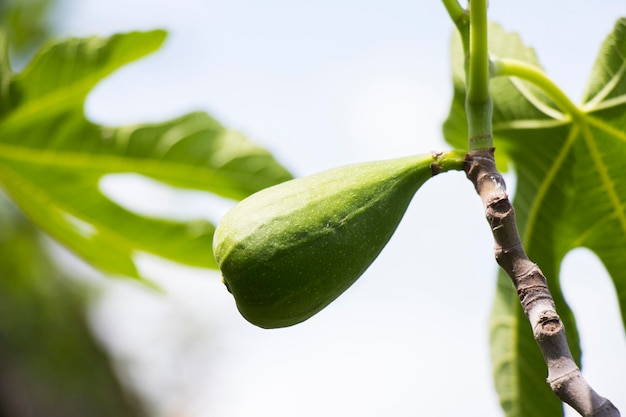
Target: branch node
(499, 203)
(434, 166)
(548, 324)
(557, 383)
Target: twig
(564, 376)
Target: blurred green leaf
(50, 363)
(52, 158)
(25, 22)
(571, 192)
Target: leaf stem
(478, 104)
(448, 161)
(534, 75)
(455, 10)
(460, 18)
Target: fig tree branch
(564, 376)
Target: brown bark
(564, 376)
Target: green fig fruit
(289, 250)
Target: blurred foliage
(50, 364)
(53, 159)
(26, 23)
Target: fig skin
(289, 250)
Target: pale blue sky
(320, 84)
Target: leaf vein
(529, 124)
(607, 128)
(542, 192)
(605, 178)
(609, 86)
(200, 174)
(537, 102)
(604, 105)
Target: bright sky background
(323, 83)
